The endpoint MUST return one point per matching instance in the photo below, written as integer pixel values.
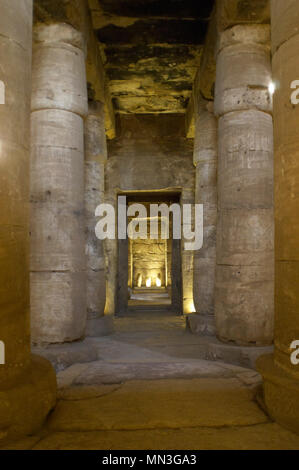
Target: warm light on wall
(189, 306)
(139, 280)
(148, 282)
(272, 88)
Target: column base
(211, 348)
(25, 404)
(201, 324)
(280, 393)
(102, 326)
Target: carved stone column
(244, 273)
(95, 161)
(205, 160)
(281, 374)
(26, 382)
(58, 264)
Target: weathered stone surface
(245, 34)
(245, 52)
(259, 437)
(281, 389)
(151, 59)
(245, 237)
(95, 159)
(284, 22)
(235, 12)
(153, 404)
(201, 324)
(58, 306)
(95, 292)
(245, 229)
(72, 12)
(15, 56)
(103, 326)
(95, 137)
(28, 401)
(205, 159)
(55, 85)
(205, 141)
(59, 101)
(240, 314)
(280, 392)
(57, 157)
(245, 173)
(150, 154)
(27, 384)
(57, 225)
(58, 33)
(86, 391)
(57, 238)
(63, 356)
(207, 73)
(204, 285)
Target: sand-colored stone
(245, 52)
(284, 19)
(242, 12)
(281, 390)
(154, 404)
(57, 53)
(95, 159)
(146, 157)
(205, 159)
(259, 437)
(59, 103)
(27, 383)
(245, 228)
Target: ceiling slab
(152, 51)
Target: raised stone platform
(64, 355)
(210, 348)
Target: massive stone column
(58, 264)
(26, 382)
(95, 161)
(205, 160)
(281, 376)
(244, 273)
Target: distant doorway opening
(149, 270)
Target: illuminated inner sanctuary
(149, 233)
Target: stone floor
(146, 389)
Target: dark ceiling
(152, 50)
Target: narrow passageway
(149, 390)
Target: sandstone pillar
(95, 161)
(58, 265)
(205, 160)
(26, 382)
(281, 376)
(244, 273)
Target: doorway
(149, 269)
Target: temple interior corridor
(149, 230)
